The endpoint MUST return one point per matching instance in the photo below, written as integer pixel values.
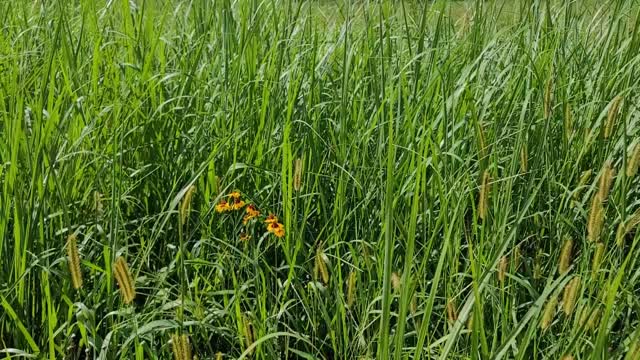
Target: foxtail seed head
(351, 288)
(598, 254)
(570, 296)
(568, 121)
(549, 313)
(218, 355)
(185, 206)
(321, 266)
(565, 256)
(502, 269)
(249, 334)
(297, 175)
(483, 201)
(611, 116)
(524, 159)
(633, 161)
(396, 282)
(452, 313)
(568, 357)
(596, 218)
(124, 279)
(607, 176)
(621, 233)
(181, 347)
(74, 261)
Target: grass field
(274, 179)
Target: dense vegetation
(445, 181)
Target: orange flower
(238, 204)
(271, 219)
(235, 194)
(244, 237)
(223, 206)
(276, 229)
(252, 212)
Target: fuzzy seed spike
(565, 256)
(176, 347)
(185, 347)
(549, 313)
(74, 261)
(598, 254)
(185, 205)
(396, 282)
(633, 161)
(607, 176)
(351, 288)
(124, 279)
(452, 313)
(570, 296)
(596, 218)
(321, 266)
(524, 159)
(502, 269)
(611, 116)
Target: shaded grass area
(450, 181)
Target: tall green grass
(367, 128)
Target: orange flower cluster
(236, 203)
(273, 226)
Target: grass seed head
(321, 266)
(124, 279)
(218, 355)
(396, 282)
(176, 347)
(73, 256)
(185, 206)
(596, 218)
(611, 116)
(524, 159)
(633, 161)
(598, 254)
(249, 332)
(570, 296)
(564, 263)
(452, 313)
(351, 288)
(607, 176)
(502, 269)
(549, 312)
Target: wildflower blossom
(235, 194)
(223, 206)
(276, 229)
(252, 212)
(271, 219)
(238, 204)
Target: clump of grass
(73, 257)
